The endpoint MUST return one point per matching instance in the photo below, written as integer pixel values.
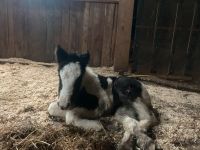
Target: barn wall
(167, 37)
(31, 28)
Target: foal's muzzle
(68, 106)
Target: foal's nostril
(63, 108)
(68, 105)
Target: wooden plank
(192, 27)
(146, 38)
(194, 70)
(100, 1)
(166, 38)
(123, 40)
(3, 29)
(143, 57)
(79, 26)
(85, 28)
(95, 35)
(10, 9)
(76, 25)
(107, 36)
(65, 23)
(53, 27)
(17, 27)
(183, 36)
(114, 33)
(194, 64)
(36, 30)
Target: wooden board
(96, 38)
(109, 22)
(3, 29)
(53, 17)
(65, 5)
(31, 29)
(123, 37)
(144, 37)
(18, 28)
(167, 45)
(184, 23)
(36, 30)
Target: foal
(85, 96)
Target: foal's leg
(132, 128)
(75, 117)
(54, 110)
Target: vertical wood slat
(79, 26)
(36, 26)
(177, 38)
(173, 37)
(3, 28)
(143, 48)
(184, 20)
(19, 26)
(11, 50)
(123, 37)
(53, 24)
(95, 39)
(65, 10)
(76, 21)
(164, 36)
(154, 43)
(188, 51)
(195, 46)
(114, 33)
(107, 35)
(85, 28)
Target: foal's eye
(128, 91)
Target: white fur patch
(146, 97)
(88, 124)
(72, 118)
(68, 75)
(54, 110)
(93, 86)
(142, 109)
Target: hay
(29, 136)
(27, 90)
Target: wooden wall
(167, 37)
(31, 29)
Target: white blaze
(68, 74)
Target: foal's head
(71, 67)
(128, 89)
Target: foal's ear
(61, 54)
(85, 58)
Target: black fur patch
(85, 100)
(117, 103)
(120, 85)
(103, 81)
(64, 58)
(129, 87)
(59, 86)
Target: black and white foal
(85, 96)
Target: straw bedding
(27, 90)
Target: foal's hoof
(145, 142)
(129, 144)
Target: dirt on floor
(27, 89)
